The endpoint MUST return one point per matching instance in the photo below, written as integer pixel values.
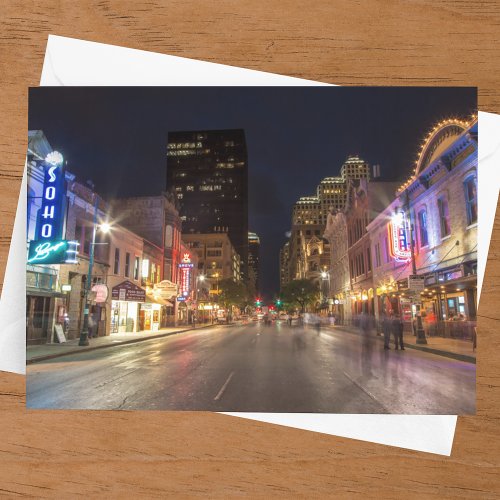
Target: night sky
(117, 138)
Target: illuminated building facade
(440, 202)
(285, 264)
(217, 259)
(310, 213)
(253, 261)
(207, 171)
(365, 201)
(156, 219)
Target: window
(136, 268)
(87, 239)
(386, 248)
(368, 260)
(471, 200)
(116, 267)
(377, 255)
(127, 264)
(444, 217)
(422, 227)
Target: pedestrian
(386, 328)
(365, 325)
(91, 326)
(397, 331)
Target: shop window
(471, 200)
(444, 217)
(136, 268)
(127, 265)
(116, 266)
(377, 255)
(422, 227)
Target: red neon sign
(398, 236)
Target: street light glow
(105, 227)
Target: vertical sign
(185, 269)
(51, 215)
(398, 236)
(48, 246)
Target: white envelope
(75, 62)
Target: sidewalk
(43, 352)
(450, 348)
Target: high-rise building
(208, 173)
(253, 260)
(285, 264)
(310, 213)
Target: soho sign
(50, 223)
(48, 246)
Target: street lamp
(420, 333)
(104, 227)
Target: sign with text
(128, 291)
(52, 252)
(50, 222)
(416, 283)
(185, 267)
(398, 236)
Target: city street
(255, 368)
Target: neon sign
(53, 252)
(185, 269)
(50, 218)
(398, 236)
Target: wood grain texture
(150, 454)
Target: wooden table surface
(128, 454)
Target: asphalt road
(255, 368)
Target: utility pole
(420, 333)
(84, 334)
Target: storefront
(127, 299)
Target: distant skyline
(296, 136)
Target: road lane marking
(223, 388)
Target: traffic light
(258, 302)
(279, 302)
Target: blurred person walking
(386, 328)
(397, 331)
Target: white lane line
(223, 388)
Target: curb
(116, 344)
(446, 354)
(454, 355)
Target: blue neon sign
(50, 223)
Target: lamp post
(420, 333)
(84, 334)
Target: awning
(157, 300)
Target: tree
(232, 293)
(300, 293)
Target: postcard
(252, 249)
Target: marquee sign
(398, 236)
(185, 267)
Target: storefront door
(38, 320)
